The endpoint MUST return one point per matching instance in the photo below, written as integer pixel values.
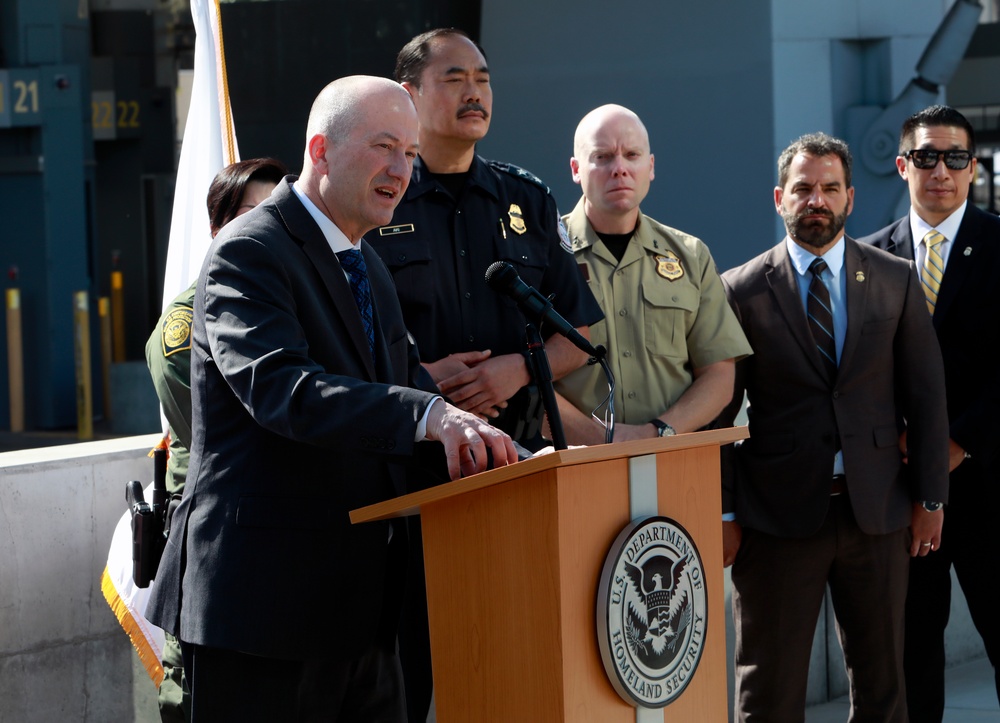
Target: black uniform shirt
(438, 250)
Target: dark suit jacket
(293, 427)
(890, 369)
(967, 322)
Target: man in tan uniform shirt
(671, 336)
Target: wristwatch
(932, 506)
(662, 428)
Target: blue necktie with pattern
(820, 313)
(354, 264)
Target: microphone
(503, 279)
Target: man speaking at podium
(307, 401)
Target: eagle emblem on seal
(658, 611)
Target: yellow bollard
(118, 315)
(104, 312)
(15, 360)
(81, 349)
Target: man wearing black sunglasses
(956, 247)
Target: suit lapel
(901, 240)
(314, 244)
(856, 266)
(961, 260)
(782, 279)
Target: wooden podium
(513, 557)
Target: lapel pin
(968, 251)
(859, 275)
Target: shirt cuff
(729, 517)
(421, 433)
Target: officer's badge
(176, 331)
(516, 219)
(859, 275)
(669, 266)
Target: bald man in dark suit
(308, 401)
(843, 352)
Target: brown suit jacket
(778, 481)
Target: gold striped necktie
(933, 269)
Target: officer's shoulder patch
(564, 241)
(518, 172)
(176, 330)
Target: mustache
(816, 212)
(473, 107)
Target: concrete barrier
(63, 655)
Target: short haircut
(416, 54)
(815, 144)
(227, 189)
(932, 117)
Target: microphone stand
(542, 373)
(502, 278)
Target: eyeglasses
(927, 159)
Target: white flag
(209, 145)
(128, 602)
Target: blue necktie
(354, 264)
(820, 313)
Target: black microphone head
(500, 275)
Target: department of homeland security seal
(651, 612)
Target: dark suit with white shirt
(967, 322)
(294, 425)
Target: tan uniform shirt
(665, 313)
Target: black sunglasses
(927, 159)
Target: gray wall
(722, 87)
(701, 82)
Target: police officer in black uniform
(459, 215)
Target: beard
(812, 232)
